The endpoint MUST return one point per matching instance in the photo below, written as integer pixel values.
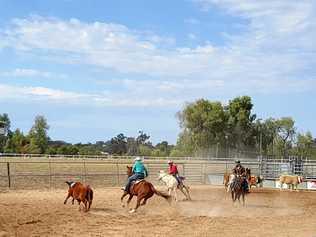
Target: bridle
(162, 176)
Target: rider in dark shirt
(241, 171)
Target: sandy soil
(211, 213)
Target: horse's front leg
(129, 200)
(187, 191)
(68, 196)
(175, 194)
(181, 188)
(122, 197)
(169, 191)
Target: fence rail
(35, 172)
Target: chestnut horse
(143, 190)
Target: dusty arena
(211, 213)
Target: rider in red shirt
(173, 170)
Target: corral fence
(28, 172)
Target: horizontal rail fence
(52, 173)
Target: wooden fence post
(50, 174)
(84, 170)
(118, 174)
(204, 173)
(9, 176)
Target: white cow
(172, 185)
(291, 180)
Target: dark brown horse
(143, 190)
(237, 189)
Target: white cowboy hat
(137, 158)
(170, 161)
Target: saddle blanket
(138, 181)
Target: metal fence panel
(36, 173)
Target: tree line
(37, 141)
(208, 128)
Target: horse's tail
(161, 194)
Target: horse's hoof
(132, 211)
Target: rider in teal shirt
(139, 172)
(139, 168)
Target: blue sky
(98, 68)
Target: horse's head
(161, 174)
(248, 173)
(300, 179)
(129, 170)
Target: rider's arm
(145, 171)
(173, 170)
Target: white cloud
(44, 94)
(27, 72)
(275, 53)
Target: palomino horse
(143, 190)
(172, 185)
(236, 188)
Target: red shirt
(173, 169)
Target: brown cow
(252, 181)
(292, 180)
(80, 192)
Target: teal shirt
(139, 167)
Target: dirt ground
(211, 213)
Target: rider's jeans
(132, 178)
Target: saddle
(137, 181)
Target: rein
(161, 177)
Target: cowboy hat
(137, 158)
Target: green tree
(132, 146)
(143, 138)
(286, 134)
(265, 133)
(163, 148)
(16, 143)
(240, 130)
(38, 136)
(4, 122)
(204, 122)
(304, 144)
(117, 145)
